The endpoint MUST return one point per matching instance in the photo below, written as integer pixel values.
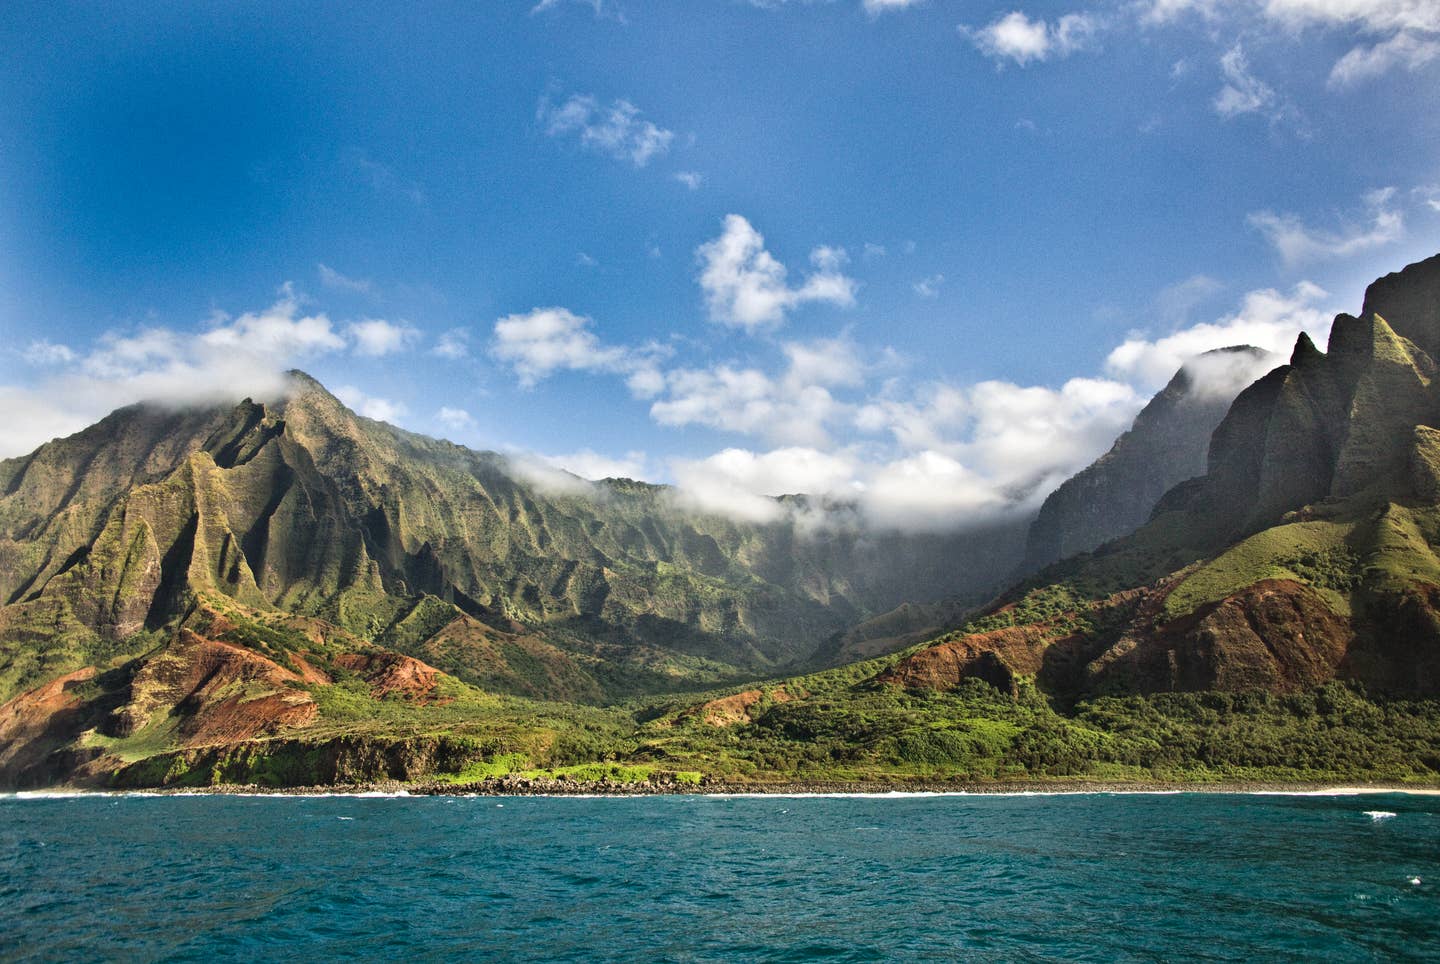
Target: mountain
(1307, 552)
(285, 593)
(1166, 445)
(549, 587)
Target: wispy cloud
(1243, 92)
(929, 287)
(383, 179)
(1408, 51)
(602, 9)
(453, 344)
(617, 130)
(1297, 242)
(331, 278)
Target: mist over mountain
(1167, 445)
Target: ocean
(1073, 877)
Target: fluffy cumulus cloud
(544, 341)
(746, 287)
(1021, 440)
(1015, 37)
(617, 130)
(794, 407)
(830, 423)
(1268, 319)
(1297, 242)
(376, 337)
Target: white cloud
(586, 260)
(741, 483)
(792, 408)
(617, 130)
(1167, 11)
(603, 9)
(1016, 37)
(230, 359)
(747, 401)
(876, 7)
(375, 337)
(1404, 50)
(929, 287)
(1023, 440)
(371, 406)
(455, 419)
(1267, 319)
(542, 341)
(691, 179)
(928, 491)
(745, 286)
(43, 353)
(1297, 243)
(453, 344)
(824, 361)
(1243, 92)
(1372, 15)
(331, 278)
(589, 464)
(277, 332)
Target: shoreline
(523, 787)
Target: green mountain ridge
(287, 594)
(302, 507)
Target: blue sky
(931, 254)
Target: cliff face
(453, 555)
(1167, 445)
(1306, 552)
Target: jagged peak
(1305, 351)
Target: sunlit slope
(1306, 553)
(303, 507)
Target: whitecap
(1378, 815)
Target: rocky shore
(517, 786)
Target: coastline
(525, 787)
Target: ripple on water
(1081, 877)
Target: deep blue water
(1074, 877)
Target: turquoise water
(1074, 877)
